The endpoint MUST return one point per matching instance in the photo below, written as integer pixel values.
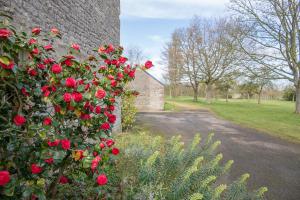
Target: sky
(148, 24)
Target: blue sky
(149, 24)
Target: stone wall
(86, 22)
(151, 97)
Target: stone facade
(151, 97)
(88, 23)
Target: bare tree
(172, 58)
(135, 55)
(272, 36)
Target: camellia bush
(56, 115)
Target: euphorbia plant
(56, 113)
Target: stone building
(88, 23)
(151, 97)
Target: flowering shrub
(56, 114)
(128, 109)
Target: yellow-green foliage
(128, 111)
(154, 168)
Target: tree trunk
(227, 96)
(208, 92)
(195, 94)
(259, 94)
(297, 110)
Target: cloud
(171, 9)
(157, 38)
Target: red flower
(19, 120)
(32, 72)
(35, 51)
(112, 118)
(4, 33)
(67, 97)
(114, 62)
(95, 162)
(120, 75)
(48, 60)
(113, 83)
(41, 66)
(110, 48)
(77, 96)
(56, 68)
(65, 144)
(111, 108)
(122, 60)
(24, 91)
(49, 160)
(115, 151)
(57, 108)
(68, 62)
(102, 67)
(55, 143)
(102, 145)
(102, 179)
(36, 31)
(148, 64)
(85, 116)
(100, 94)
(75, 46)
(48, 47)
(98, 109)
(105, 126)
(70, 82)
(131, 74)
(4, 177)
(55, 31)
(63, 180)
(47, 121)
(110, 142)
(9, 66)
(35, 169)
(32, 41)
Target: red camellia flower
(48, 47)
(36, 31)
(57, 108)
(32, 41)
(35, 169)
(112, 118)
(70, 82)
(111, 108)
(68, 62)
(19, 120)
(77, 96)
(10, 65)
(75, 46)
(47, 121)
(41, 66)
(54, 143)
(100, 94)
(113, 83)
(32, 72)
(49, 160)
(115, 151)
(110, 142)
(63, 180)
(102, 145)
(56, 68)
(98, 109)
(67, 97)
(4, 177)
(102, 179)
(131, 74)
(105, 126)
(48, 60)
(148, 64)
(4, 33)
(120, 75)
(122, 60)
(24, 91)
(95, 162)
(35, 51)
(55, 31)
(65, 144)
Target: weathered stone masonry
(86, 22)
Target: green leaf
(4, 59)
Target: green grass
(273, 117)
(169, 107)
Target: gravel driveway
(271, 162)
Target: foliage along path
(271, 162)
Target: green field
(273, 117)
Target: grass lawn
(274, 117)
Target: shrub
(152, 168)
(56, 115)
(128, 110)
(289, 93)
